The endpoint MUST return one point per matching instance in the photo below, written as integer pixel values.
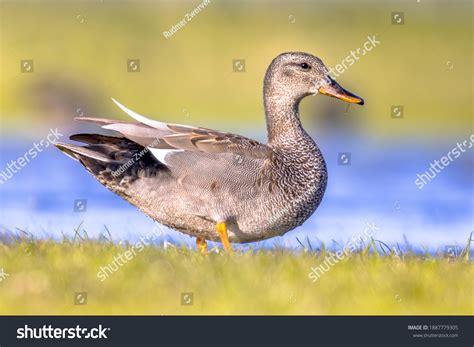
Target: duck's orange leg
(221, 229)
(201, 246)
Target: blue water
(377, 188)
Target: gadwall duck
(215, 185)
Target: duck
(215, 185)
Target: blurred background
(60, 60)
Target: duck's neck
(282, 117)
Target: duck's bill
(336, 91)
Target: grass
(44, 275)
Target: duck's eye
(305, 66)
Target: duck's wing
(164, 138)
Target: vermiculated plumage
(191, 178)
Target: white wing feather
(139, 118)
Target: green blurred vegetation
(45, 275)
(80, 51)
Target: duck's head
(297, 74)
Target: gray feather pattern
(259, 190)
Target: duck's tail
(111, 159)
